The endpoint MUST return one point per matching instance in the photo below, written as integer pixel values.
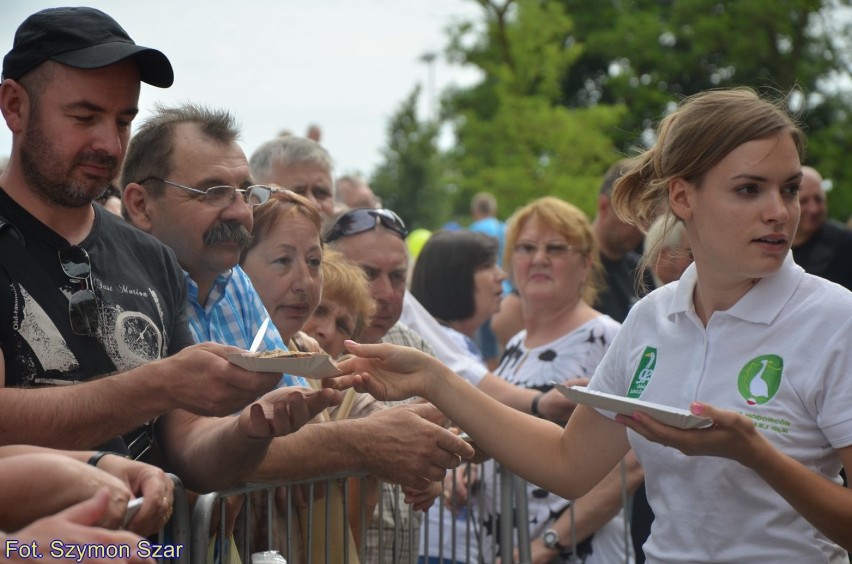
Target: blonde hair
(346, 284)
(667, 232)
(570, 222)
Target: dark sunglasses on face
(365, 219)
(83, 304)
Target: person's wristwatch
(550, 538)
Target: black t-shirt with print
(140, 289)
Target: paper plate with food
(297, 363)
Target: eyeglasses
(222, 196)
(318, 193)
(83, 304)
(551, 250)
(365, 219)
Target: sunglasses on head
(365, 219)
(83, 304)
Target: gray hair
(288, 151)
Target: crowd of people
(176, 249)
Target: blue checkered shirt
(232, 315)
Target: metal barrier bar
(177, 530)
(513, 510)
(202, 516)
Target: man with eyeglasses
(90, 301)
(297, 164)
(185, 159)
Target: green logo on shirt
(643, 372)
(760, 378)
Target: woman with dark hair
(456, 278)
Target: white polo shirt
(782, 355)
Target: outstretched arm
(825, 504)
(552, 405)
(41, 483)
(198, 379)
(403, 445)
(196, 447)
(57, 479)
(568, 463)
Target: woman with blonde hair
(553, 259)
(745, 339)
(667, 249)
(345, 307)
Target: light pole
(429, 58)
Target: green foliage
(409, 180)
(569, 86)
(650, 53)
(513, 137)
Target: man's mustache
(228, 232)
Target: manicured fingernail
(349, 342)
(696, 408)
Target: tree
(409, 180)
(569, 86)
(650, 53)
(513, 138)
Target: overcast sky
(345, 65)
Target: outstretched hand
(388, 372)
(732, 435)
(284, 411)
(422, 499)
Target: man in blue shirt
(188, 183)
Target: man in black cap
(91, 301)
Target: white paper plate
(316, 366)
(673, 416)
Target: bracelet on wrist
(95, 458)
(534, 407)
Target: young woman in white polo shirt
(746, 338)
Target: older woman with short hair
(345, 307)
(553, 259)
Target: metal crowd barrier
(175, 534)
(252, 536)
(269, 520)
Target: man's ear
(15, 105)
(681, 197)
(603, 204)
(135, 206)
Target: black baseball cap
(83, 38)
